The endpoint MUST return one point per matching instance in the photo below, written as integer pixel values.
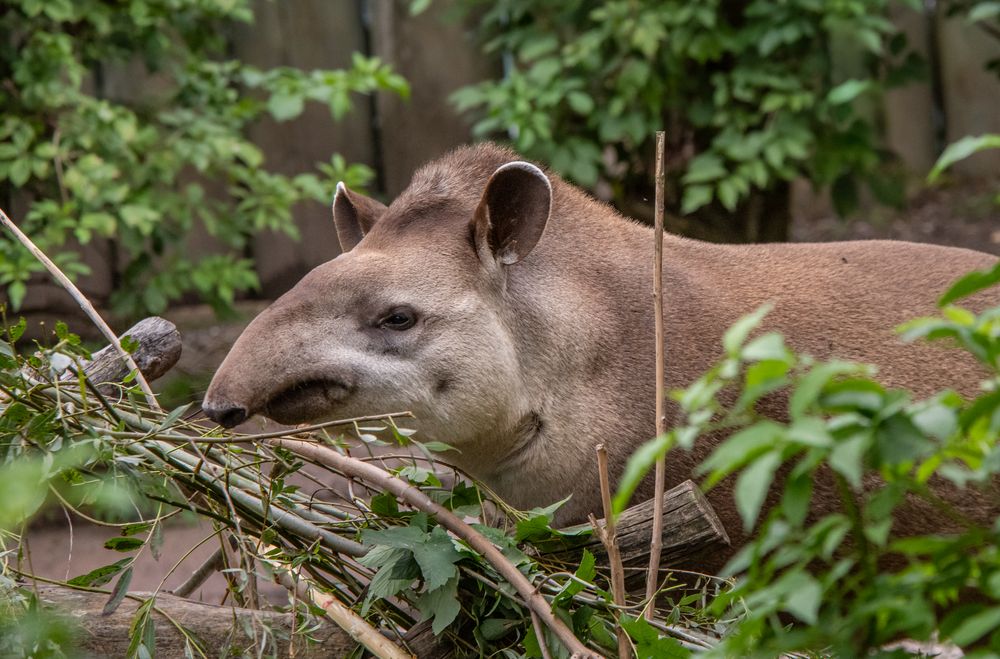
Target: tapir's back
(842, 300)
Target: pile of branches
(372, 536)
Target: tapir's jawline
(306, 401)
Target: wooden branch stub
(158, 351)
(216, 627)
(690, 526)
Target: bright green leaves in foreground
(406, 553)
(857, 452)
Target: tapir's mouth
(306, 401)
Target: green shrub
(748, 93)
(830, 574)
(146, 172)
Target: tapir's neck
(581, 312)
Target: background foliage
(748, 93)
(146, 172)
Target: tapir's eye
(398, 319)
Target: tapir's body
(526, 348)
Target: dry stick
(346, 619)
(609, 537)
(85, 304)
(201, 574)
(656, 544)
(414, 497)
(543, 647)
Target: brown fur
(555, 352)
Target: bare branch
(84, 303)
(609, 537)
(656, 544)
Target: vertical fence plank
(971, 93)
(909, 110)
(436, 53)
(308, 34)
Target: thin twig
(242, 439)
(609, 536)
(414, 497)
(543, 647)
(656, 543)
(201, 574)
(85, 304)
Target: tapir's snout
(226, 414)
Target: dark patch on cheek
(443, 385)
(535, 424)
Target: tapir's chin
(307, 401)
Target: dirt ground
(962, 216)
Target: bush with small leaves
(139, 172)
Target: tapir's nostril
(226, 416)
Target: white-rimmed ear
(354, 215)
(512, 213)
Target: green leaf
(118, 593)
(728, 194)
(983, 11)
(174, 414)
(704, 168)
(436, 557)
(961, 150)
(638, 465)
(804, 597)
(649, 644)
(812, 384)
(586, 572)
(538, 46)
(418, 7)
(847, 91)
(101, 575)
(124, 544)
(285, 106)
(741, 448)
(846, 458)
(770, 346)
(441, 604)
(695, 196)
(391, 578)
(976, 626)
(16, 292)
(970, 284)
(899, 441)
(737, 334)
(752, 486)
(580, 102)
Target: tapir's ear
(512, 212)
(354, 215)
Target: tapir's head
(411, 316)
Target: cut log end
(690, 527)
(159, 348)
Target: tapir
(513, 315)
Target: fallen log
(690, 528)
(221, 630)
